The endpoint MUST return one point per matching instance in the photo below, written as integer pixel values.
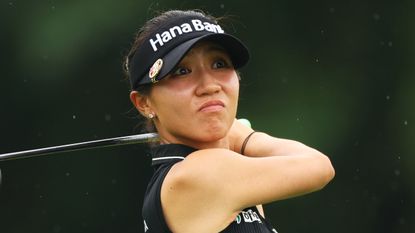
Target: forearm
(317, 165)
(294, 167)
(262, 145)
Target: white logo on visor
(177, 30)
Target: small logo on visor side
(155, 70)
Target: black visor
(164, 49)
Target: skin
(192, 85)
(206, 191)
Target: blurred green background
(336, 75)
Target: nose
(207, 83)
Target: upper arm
(250, 181)
(225, 180)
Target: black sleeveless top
(163, 158)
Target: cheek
(167, 102)
(232, 87)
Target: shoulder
(193, 194)
(201, 172)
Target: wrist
(237, 134)
(245, 142)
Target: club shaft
(117, 141)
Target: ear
(140, 102)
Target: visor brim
(237, 51)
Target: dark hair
(145, 31)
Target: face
(196, 103)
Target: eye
(180, 71)
(221, 63)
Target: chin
(215, 134)
(212, 130)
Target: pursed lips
(212, 105)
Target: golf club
(117, 141)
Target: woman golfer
(211, 173)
